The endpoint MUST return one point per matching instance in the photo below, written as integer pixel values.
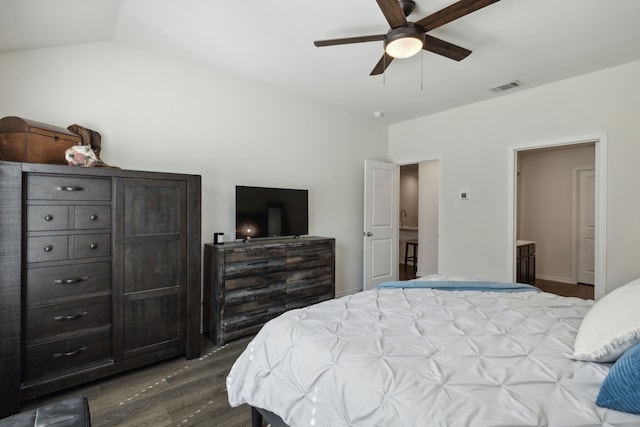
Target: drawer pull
(93, 246)
(48, 218)
(70, 316)
(93, 217)
(69, 188)
(70, 281)
(265, 261)
(69, 354)
(48, 248)
(257, 313)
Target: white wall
(429, 217)
(160, 114)
(409, 190)
(545, 204)
(475, 141)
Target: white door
(586, 225)
(381, 185)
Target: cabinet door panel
(151, 265)
(151, 236)
(151, 318)
(153, 207)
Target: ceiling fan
(405, 39)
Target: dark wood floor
(566, 289)
(178, 392)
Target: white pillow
(611, 326)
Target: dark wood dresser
(99, 273)
(526, 262)
(247, 284)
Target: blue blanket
(460, 286)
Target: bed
(409, 355)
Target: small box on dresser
(247, 284)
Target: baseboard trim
(348, 292)
(555, 279)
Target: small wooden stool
(414, 258)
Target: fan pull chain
(384, 68)
(421, 69)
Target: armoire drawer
(50, 283)
(91, 246)
(47, 248)
(53, 319)
(67, 187)
(47, 218)
(72, 353)
(92, 217)
(64, 217)
(65, 247)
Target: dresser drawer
(91, 217)
(309, 256)
(47, 248)
(246, 300)
(47, 283)
(47, 218)
(309, 277)
(249, 263)
(91, 246)
(73, 188)
(255, 282)
(72, 353)
(54, 319)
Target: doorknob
(368, 234)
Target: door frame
(600, 140)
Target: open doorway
(419, 207)
(559, 207)
(408, 221)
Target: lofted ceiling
(271, 42)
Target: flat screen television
(271, 212)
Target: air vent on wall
(506, 86)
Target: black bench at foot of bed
(72, 412)
(258, 414)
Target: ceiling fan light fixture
(404, 42)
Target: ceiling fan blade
(446, 49)
(381, 65)
(453, 12)
(348, 40)
(393, 12)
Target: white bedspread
(422, 357)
